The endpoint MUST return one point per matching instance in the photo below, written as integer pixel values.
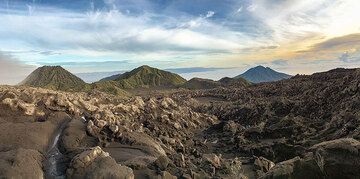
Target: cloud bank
(179, 34)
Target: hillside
(226, 82)
(55, 78)
(109, 87)
(146, 77)
(234, 82)
(263, 74)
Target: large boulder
(338, 158)
(95, 163)
(331, 159)
(145, 141)
(21, 163)
(74, 136)
(295, 168)
(31, 135)
(262, 165)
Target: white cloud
(210, 14)
(12, 71)
(239, 10)
(251, 8)
(112, 34)
(291, 19)
(199, 21)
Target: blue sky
(293, 36)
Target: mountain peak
(145, 66)
(54, 77)
(260, 74)
(260, 67)
(146, 76)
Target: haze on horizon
(292, 36)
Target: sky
(230, 36)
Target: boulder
(331, 159)
(295, 168)
(144, 140)
(100, 123)
(95, 163)
(114, 128)
(232, 168)
(338, 158)
(162, 162)
(263, 164)
(213, 159)
(92, 129)
(31, 135)
(21, 163)
(74, 136)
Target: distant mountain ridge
(201, 83)
(55, 78)
(263, 74)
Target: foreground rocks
(305, 127)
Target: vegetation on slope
(146, 77)
(109, 87)
(55, 78)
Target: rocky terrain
(303, 127)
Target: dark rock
(95, 163)
(162, 162)
(338, 158)
(21, 163)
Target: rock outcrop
(21, 163)
(95, 163)
(331, 159)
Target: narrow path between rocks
(54, 164)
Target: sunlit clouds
(292, 35)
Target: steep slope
(234, 82)
(109, 87)
(145, 77)
(200, 83)
(263, 74)
(55, 78)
